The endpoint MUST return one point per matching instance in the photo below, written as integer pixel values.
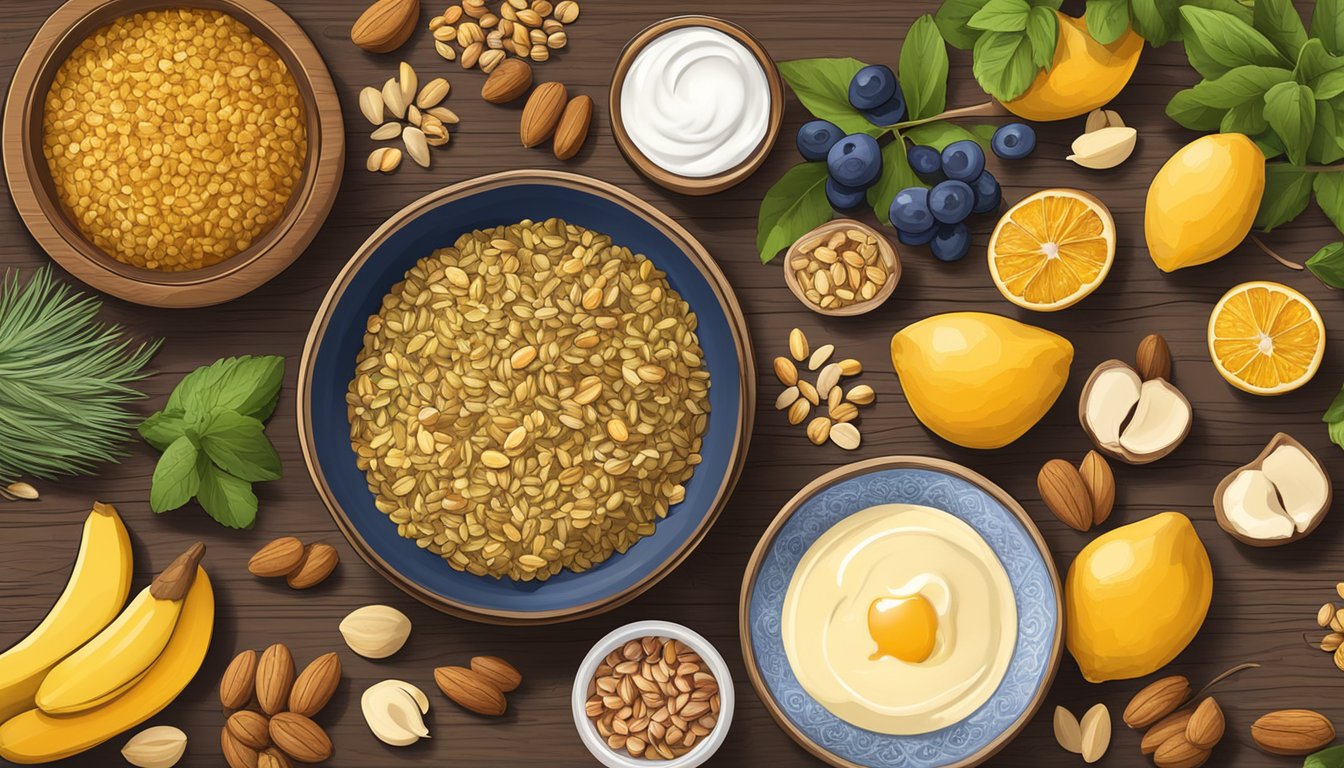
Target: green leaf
(1269, 145)
(1314, 65)
(176, 476)
(1219, 41)
(1287, 192)
(1238, 8)
(1336, 432)
(896, 175)
(795, 204)
(953, 19)
(1240, 85)
(248, 385)
(1327, 23)
(239, 446)
(940, 133)
(1001, 16)
(1188, 110)
(1003, 64)
(1051, 4)
(822, 85)
(1278, 21)
(1156, 21)
(1043, 33)
(1290, 109)
(1107, 20)
(923, 69)
(1326, 147)
(1330, 196)
(1328, 85)
(1328, 266)
(162, 428)
(1248, 119)
(227, 499)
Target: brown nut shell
(499, 672)
(300, 738)
(1100, 482)
(572, 130)
(239, 681)
(275, 679)
(1156, 700)
(1206, 726)
(1064, 493)
(277, 558)
(319, 560)
(470, 690)
(1169, 726)
(1292, 731)
(507, 82)
(315, 685)
(236, 754)
(1178, 752)
(542, 113)
(385, 25)
(1153, 359)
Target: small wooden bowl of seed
(842, 268)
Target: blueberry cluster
(960, 186)
(854, 162)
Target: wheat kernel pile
(528, 400)
(175, 138)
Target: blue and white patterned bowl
(909, 480)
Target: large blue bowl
(436, 221)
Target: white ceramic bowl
(703, 749)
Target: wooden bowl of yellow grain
(281, 237)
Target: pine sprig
(65, 380)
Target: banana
(97, 590)
(37, 737)
(118, 657)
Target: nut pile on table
(421, 107)
(526, 30)
(800, 396)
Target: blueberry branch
(991, 108)
(1285, 262)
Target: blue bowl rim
(694, 251)
(864, 467)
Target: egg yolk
(904, 628)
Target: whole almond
(572, 131)
(1169, 726)
(272, 757)
(236, 754)
(499, 672)
(319, 560)
(1157, 700)
(275, 678)
(1292, 731)
(1064, 493)
(1178, 752)
(385, 25)
(1100, 483)
(510, 80)
(239, 680)
(542, 113)
(315, 685)
(277, 558)
(300, 738)
(1206, 725)
(471, 690)
(1153, 359)
(249, 728)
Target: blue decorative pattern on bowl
(1032, 665)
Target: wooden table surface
(1264, 600)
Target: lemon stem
(991, 108)
(1224, 676)
(1261, 244)
(1324, 168)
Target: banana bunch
(91, 670)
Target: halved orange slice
(1052, 249)
(1266, 338)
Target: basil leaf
(1001, 16)
(176, 478)
(247, 385)
(1107, 20)
(896, 175)
(1314, 63)
(1287, 192)
(1003, 64)
(1240, 85)
(227, 499)
(1221, 41)
(162, 428)
(1157, 23)
(822, 85)
(1269, 144)
(795, 204)
(1278, 21)
(1329, 189)
(1334, 413)
(1328, 266)
(923, 69)
(1233, 7)
(1327, 24)
(940, 133)
(1043, 32)
(1326, 147)
(953, 19)
(1248, 118)
(1290, 109)
(1336, 432)
(239, 446)
(1051, 4)
(1187, 109)
(1328, 85)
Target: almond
(499, 672)
(1206, 725)
(542, 112)
(1153, 359)
(385, 25)
(272, 757)
(1292, 732)
(1096, 733)
(319, 560)
(1171, 725)
(300, 738)
(278, 558)
(1096, 473)
(316, 685)
(510, 80)
(1063, 491)
(239, 680)
(471, 690)
(249, 728)
(1159, 699)
(572, 131)
(1177, 752)
(236, 754)
(275, 678)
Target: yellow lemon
(1203, 201)
(979, 380)
(1052, 249)
(1266, 338)
(1083, 76)
(1136, 596)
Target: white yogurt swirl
(696, 102)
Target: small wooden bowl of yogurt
(696, 104)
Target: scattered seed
(798, 411)
(820, 356)
(416, 146)
(798, 345)
(386, 131)
(861, 394)
(786, 398)
(809, 392)
(435, 91)
(786, 371)
(22, 490)
(818, 430)
(1325, 615)
(371, 104)
(850, 367)
(845, 435)
(828, 378)
(392, 99)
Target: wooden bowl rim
(699, 256)
(47, 221)
(695, 185)
(862, 468)
(884, 246)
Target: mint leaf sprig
(212, 436)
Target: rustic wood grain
(1264, 600)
